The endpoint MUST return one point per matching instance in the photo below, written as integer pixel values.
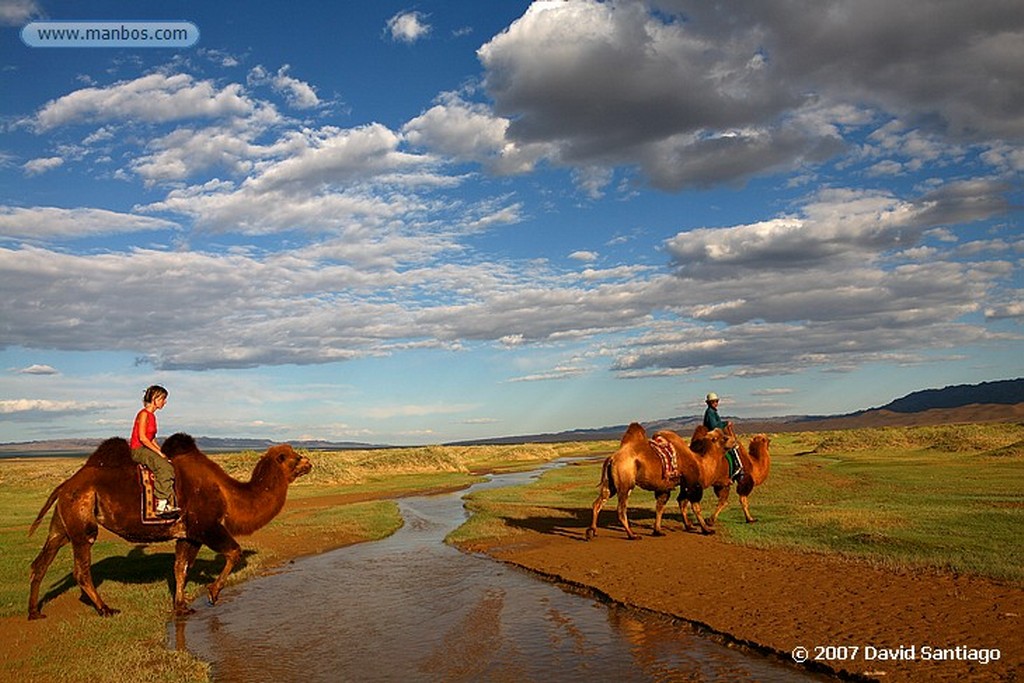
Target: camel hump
(700, 433)
(635, 433)
(179, 444)
(114, 452)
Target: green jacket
(712, 419)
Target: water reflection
(411, 608)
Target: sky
(406, 223)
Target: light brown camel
(710, 469)
(106, 492)
(637, 463)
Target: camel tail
(607, 484)
(46, 508)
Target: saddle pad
(667, 454)
(147, 481)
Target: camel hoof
(657, 532)
(108, 611)
(711, 522)
(591, 533)
(708, 531)
(32, 616)
(183, 611)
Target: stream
(410, 608)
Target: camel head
(294, 464)
(703, 440)
(759, 443)
(635, 433)
(719, 438)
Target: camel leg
(223, 543)
(624, 516)
(700, 519)
(56, 539)
(684, 512)
(83, 574)
(185, 552)
(723, 500)
(598, 504)
(745, 504)
(660, 500)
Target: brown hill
(881, 417)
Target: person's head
(712, 399)
(153, 394)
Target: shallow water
(411, 608)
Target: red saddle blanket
(147, 481)
(667, 453)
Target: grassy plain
(347, 498)
(944, 498)
(947, 498)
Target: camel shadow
(572, 523)
(139, 567)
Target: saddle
(667, 454)
(147, 481)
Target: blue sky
(422, 222)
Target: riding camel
(709, 469)
(215, 507)
(638, 463)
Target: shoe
(165, 510)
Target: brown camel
(106, 492)
(637, 463)
(710, 469)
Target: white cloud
(18, 12)
(696, 94)
(28, 406)
(47, 222)
(471, 132)
(42, 165)
(408, 27)
(584, 255)
(39, 369)
(155, 98)
(558, 373)
(299, 94)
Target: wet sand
(778, 601)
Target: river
(410, 608)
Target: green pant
(163, 471)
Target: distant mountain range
(999, 401)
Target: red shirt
(136, 442)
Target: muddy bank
(904, 627)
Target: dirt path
(781, 601)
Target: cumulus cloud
(46, 222)
(155, 98)
(471, 132)
(28, 407)
(39, 369)
(18, 12)
(695, 94)
(408, 27)
(299, 94)
(42, 165)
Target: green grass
(945, 498)
(347, 498)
